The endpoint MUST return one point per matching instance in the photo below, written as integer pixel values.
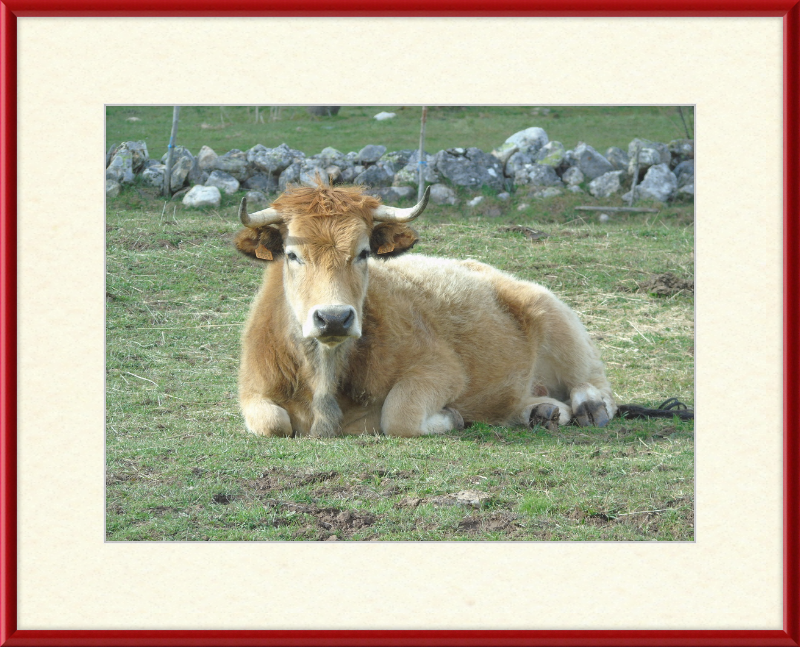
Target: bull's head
(323, 236)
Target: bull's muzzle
(334, 323)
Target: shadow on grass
(619, 431)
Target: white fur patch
(589, 393)
(438, 423)
(264, 418)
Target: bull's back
(459, 316)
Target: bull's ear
(263, 244)
(392, 239)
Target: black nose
(334, 321)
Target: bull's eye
(293, 257)
(364, 255)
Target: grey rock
(202, 196)
(177, 153)
(223, 181)
(392, 194)
(529, 140)
(591, 163)
(399, 159)
(474, 169)
(329, 152)
(272, 161)
(685, 192)
(650, 154)
(442, 194)
(538, 175)
(154, 175)
(206, 158)
(290, 175)
(180, 172)
(619, 158)
(120, 169)
(196, 174)
(110, 153)
(685, 173)
(236, 154)
(548, 192)
(112, 189)
(505, 195)
(505, 151)
(371, 153)
(375, 176)
(256, 199)
(409, 174)
(232, 165)
(606, 185)
(312, 176)
(574, 188)
(261, 182)
(680, 150)
(516, 163)
(131, 156)
(659, 184)
(573, 176)
(138, 154)
(348, 175)
(251, 153)
(115, 174)
(334, 173)
(551, 154)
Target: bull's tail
(667, 409)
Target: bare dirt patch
(329, 521)
(495, 522)
(665, 285)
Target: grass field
(181, 467)
(353, 128)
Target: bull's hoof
(545, 415)
(458, 420)
(588, 414)
(323, 431)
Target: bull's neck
(326, 367)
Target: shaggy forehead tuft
(326, 201)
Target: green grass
(181, 467)
(353, 128)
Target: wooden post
(176, 111)
(685, 127)
(422, 161)
(635, 175)
(618, 209)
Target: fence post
(422, 161)
(176, 111)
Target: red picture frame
(788, 10)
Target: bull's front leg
(417, 406)
(265, 418)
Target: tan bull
(348, 336)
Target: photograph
(399, 323)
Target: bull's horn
(393, 214)
(259, 218)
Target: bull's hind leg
(590, 406)
(545, 412)
(570, 366)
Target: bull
(348, 335)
